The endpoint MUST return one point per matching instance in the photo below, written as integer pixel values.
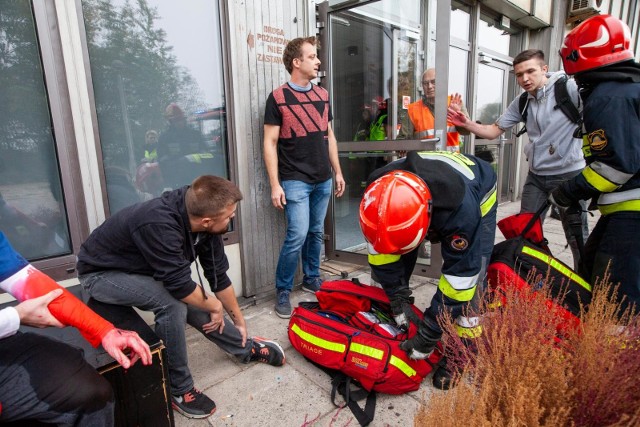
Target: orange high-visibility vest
(424, 125)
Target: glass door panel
(490, 103)
(373, 73)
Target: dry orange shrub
(523, 375)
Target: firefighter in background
(597, 52)
(178, 139)
(150, 147)
(447, 198)
(362, 129)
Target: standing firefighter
(444, 197)
(597, 53)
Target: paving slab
(264, 395)
(208, 364)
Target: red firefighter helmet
(395, 212)
(599, 41)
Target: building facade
(108, 103)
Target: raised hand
(456, 102)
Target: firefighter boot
(443, 378)
(448, 373)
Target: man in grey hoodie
(553, 153)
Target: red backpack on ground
(350, 333)
(525, 261)
(350, 329)
(333, 333)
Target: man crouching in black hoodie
(141, 256)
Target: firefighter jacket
(611, 128)
(424, 125)
(463, 188)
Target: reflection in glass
(32, 209)
(458, 71)
(460, 22)
(155, 78)
(490, 37)
(489, 153)
(489, 100)
(490, 107)
(363, 42)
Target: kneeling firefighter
(446, 198)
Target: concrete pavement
(298, 393)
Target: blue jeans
(306, 209)
(171, 318)
(536, 191)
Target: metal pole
(118, 65)
(443, 19)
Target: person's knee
(316, 234)
(173, 308)
(296, 236)
(96, 394)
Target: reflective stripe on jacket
(424, 125)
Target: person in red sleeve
(46, 380)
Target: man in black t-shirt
(300, 150)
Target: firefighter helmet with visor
(395, 212)
(599, 41)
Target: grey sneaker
(267, 351)
(312, 286)
(283, 305)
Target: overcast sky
(193, 31)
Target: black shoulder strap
(523, 107)
(342, 383)
(535, 216)
(564, 102)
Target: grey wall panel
(259, 32)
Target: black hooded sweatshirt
(154, 239)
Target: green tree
(135, 75)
